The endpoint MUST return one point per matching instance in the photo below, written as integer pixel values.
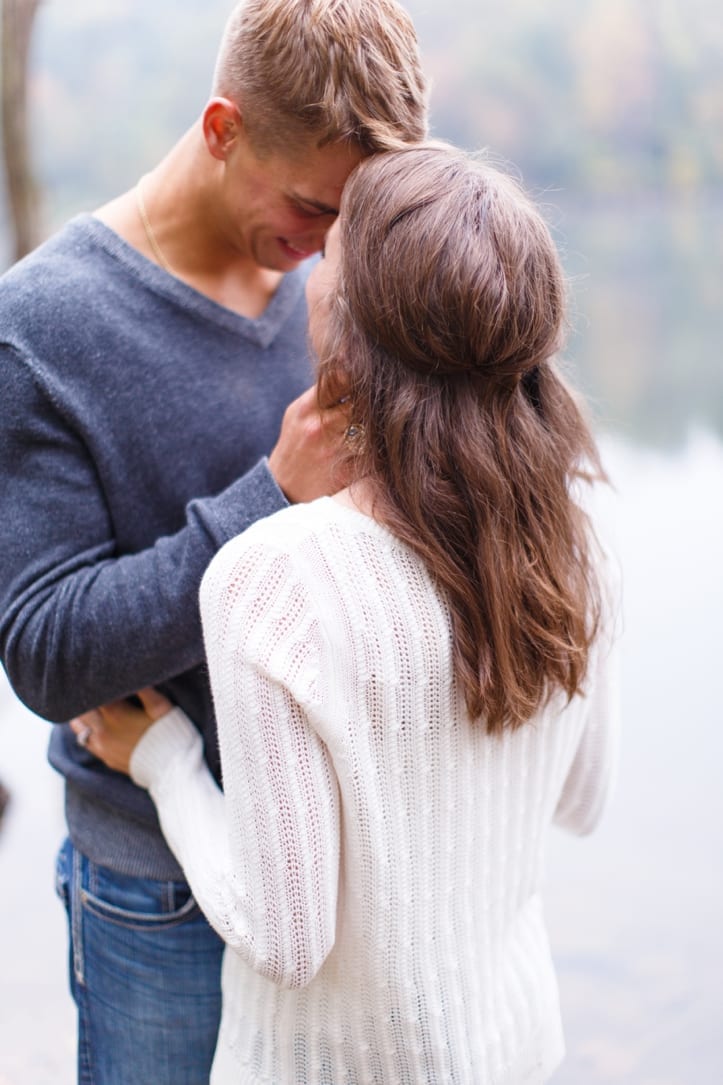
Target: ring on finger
(83, 737)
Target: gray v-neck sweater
(136, 415)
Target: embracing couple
(310, 531)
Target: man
(147, 355)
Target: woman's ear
(222, 124)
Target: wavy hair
(443, 327)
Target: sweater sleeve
(263, 857)
(591, 776)
(81, 625)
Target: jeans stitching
(76, 917)
(122, 917)
(92, 898)
(85, 1066)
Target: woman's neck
(359, 496)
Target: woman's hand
(113, 731)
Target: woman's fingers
(155, 704)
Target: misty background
(612, 113)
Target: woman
(411, 679)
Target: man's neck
(169, 219)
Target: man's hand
(113, 731)
(304, 461)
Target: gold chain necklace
(148, 229)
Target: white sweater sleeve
(591, 776)
(262, 858)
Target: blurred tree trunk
(22, 192)
(4, 800)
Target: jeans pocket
(145, 977)
(136, 903)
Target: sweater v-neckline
(261, 330)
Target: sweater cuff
(171, 735)
(250, 498)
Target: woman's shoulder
(274, 542)
(312, 544)
(290, 530)
(284, 531)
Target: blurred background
(612, 113)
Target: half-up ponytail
(449, 312)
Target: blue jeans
(145, 973)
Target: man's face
(279, 208)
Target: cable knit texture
(375, 861)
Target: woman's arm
(591, 776)
(262, 858)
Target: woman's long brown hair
(447, 315)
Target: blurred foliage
(602, 97)
(612, 110)
(647, 287)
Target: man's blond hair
(323, 71)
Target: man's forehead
(318, 177)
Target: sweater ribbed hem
(535, 1065)
(113, 839)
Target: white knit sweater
(375, 862)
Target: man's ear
(222, 125)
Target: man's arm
(79, 624)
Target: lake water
(634, 910)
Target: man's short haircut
(322, 71)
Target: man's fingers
(342, 402)
(305, 459)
